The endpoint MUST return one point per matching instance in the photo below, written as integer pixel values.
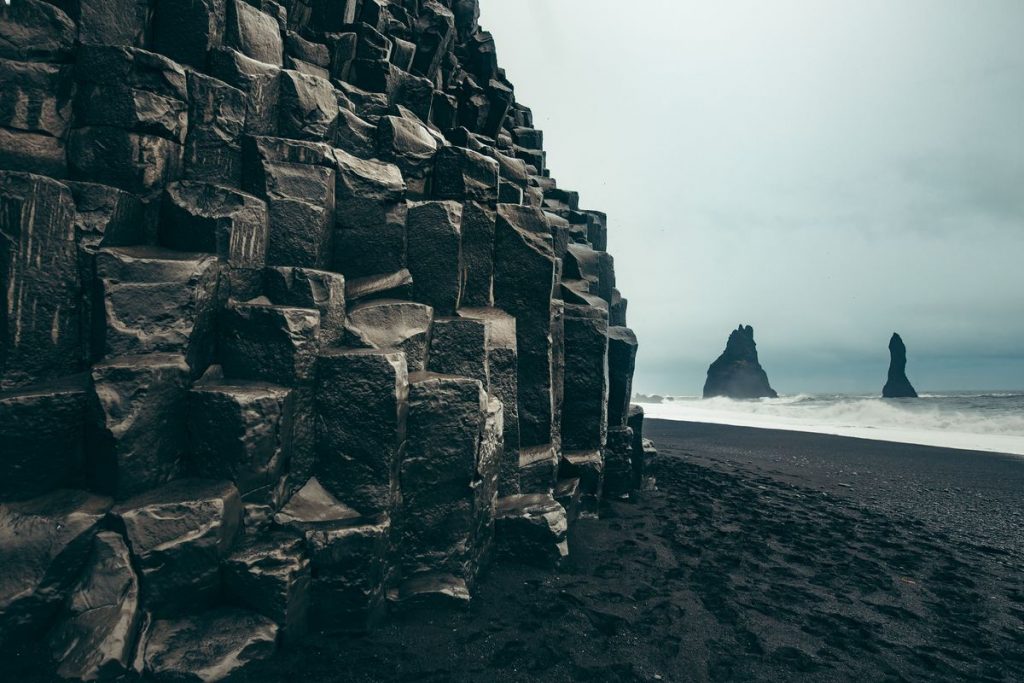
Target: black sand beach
(973, 496)
(763, 556)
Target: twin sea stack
(738, 374)
(297, 327)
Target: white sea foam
(970, 420)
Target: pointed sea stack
(737, 373)
(898, 386)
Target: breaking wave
(992, 421)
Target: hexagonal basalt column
(179, 534)
(585, 407)
(39, 332)
(156, 301)
(137, 434)
(442, 519)
(524, 276)
(481, 344)
(361, 407)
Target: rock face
(898, 386)
(297, 328)
(207, 647)
(44, 544)
(737, 372)
(96, 638)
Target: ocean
(974, 420)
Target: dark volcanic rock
(349, 563)
(588, 468)
(538, 468)
(96, 638)
(271, 576)
(42, 429)
(179, 534)
(131, 118)
(38, 273)
(441, 469)
(207, 647)
(524, 276)
(309, 251)
(435, 254)
(131, 89)
(461, 173)
(156, 300)
(138, 436)
(216, 119)
(110, 22)
(186, 31)
(361, 407)
(36, 31)
(135, 162)
(737, 373)
(410, 146)
(531, 528)
(209, 218)
(44, 542)
(259, 83)
(618, 463)
(478, 221)
(622, 348)
(241, 431)
(301, 203)
(33, 131)
(397, 285)
(314, 507)
(898, 386)
(308, 288)
(392, 325)
(270, 343)
(371, 211)
(253, 33)
(481, 344)
(584, 418)
(106, 216)
(309, 106)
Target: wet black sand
(762, 557)
(977, 497)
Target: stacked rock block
(297, 327)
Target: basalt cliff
(297, 327)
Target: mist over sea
(974, 420)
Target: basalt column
(297, 328)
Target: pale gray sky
(828, 171)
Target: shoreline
(1003, 444)
(974, 495)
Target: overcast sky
(827, 171)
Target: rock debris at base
(298, 329)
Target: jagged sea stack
(296, 327)
(898, 386)
(737, 372)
